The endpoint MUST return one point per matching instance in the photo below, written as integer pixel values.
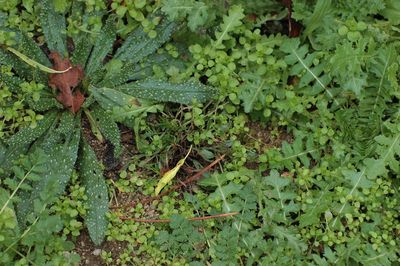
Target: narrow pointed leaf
(53, 25)
(164, 91)
(102, 47)
(96, 191)
(108, 128)
(139, 44)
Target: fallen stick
(169, 220)
(189, 180)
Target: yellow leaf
(36, 64)
(169, 175)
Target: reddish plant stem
(189, 180)
(169, 220)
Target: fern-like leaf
(303, 66)
(230, 23)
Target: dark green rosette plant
(90, 77)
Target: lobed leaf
(230, 22)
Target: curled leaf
(35, 64)
(169, 175)
(66, 82)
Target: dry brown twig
(189, 180)
(169, 220)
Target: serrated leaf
(53, 25)
(164, 91)
(97, 193)
(300, 59)
(139, 44)
(102, 46)
(230, 22)
(169, 175)
(322, 8)
(198, 13)
(392, 11)
(312, 212)
(249, 93)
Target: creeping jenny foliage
(309, 126)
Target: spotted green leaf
(102, 46)
(62, 152)
(53, 25)
(19, 142)
(96, 191)
(163, 91)
(108, 128)
(139, 44)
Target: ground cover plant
(280, 144)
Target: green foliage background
(309, 126)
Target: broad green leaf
(102, 46)
(46, 102)
(53, 25)
(97, 193)
(163, 91)
(30, 51)
(111, 98)
(122, 73)
(61, 147)
(169, 175)
(139, 44)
